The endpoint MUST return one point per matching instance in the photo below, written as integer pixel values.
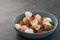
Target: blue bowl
(35, 36)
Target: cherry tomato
(21, 22)
(40, 23)
(27, 23)
(47, 28)
(33, 29)
(42, 18)
(39, 31)
(32, 18)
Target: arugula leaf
(52, 23)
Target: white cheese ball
(47, 24)
(24, 27)
(47, 19)
(28, 14)
(25, 19)
(17, 26)
(38, 17)
(34, 22)
(29, 31)
(37, 27)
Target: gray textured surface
(11, 8)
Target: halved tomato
(39, 31)
(42, 18)
(40, 23)
(27, 23)
(33, 28)
(21, 22)
(32, 18)
(47, 28)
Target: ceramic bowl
(34, 36)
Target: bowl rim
(36, 33)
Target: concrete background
(11, 8)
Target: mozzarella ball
(26, 19)
(29, 31)
(34, 22)
(28, 14)
(38, 17)
(47, 19)
(37, 27)
(47, 24)
(18, 26)
(24, 27)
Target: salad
(34, 23)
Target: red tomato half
(27, 23)
(47, 28)
(39, 31)
(33, 28)
(32, 18)
(40, 23)
(21, 22)
(42, 18)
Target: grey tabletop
(11, 8)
